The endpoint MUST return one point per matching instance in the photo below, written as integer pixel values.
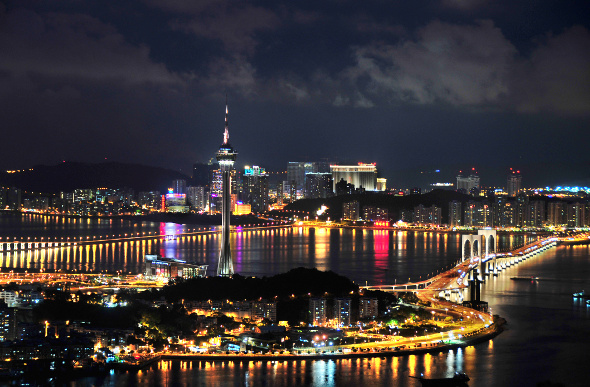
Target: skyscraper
(256, 188)
(179, 186)
(296, 171)
(342, 311)
(514, 182)
(226, 156)
(318, 185)
(361, 175)
(317, 311)
(455, 213)
(467, 183)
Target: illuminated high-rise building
(256, 189)
(318, 185)
(196, 197)
(342, 311)
(535, 213)
(361, 175)
(368, 307)
(556, 213)
(350, 210)
(514, 182)
(226, 156)
(317, 311)
(455, 213)
(179, 186)
(467, 183)
(296, 171)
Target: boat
(579, 295)
(524, 278)
(459, 379)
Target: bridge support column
(487, 268)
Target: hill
(68, 176)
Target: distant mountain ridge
(68, 176)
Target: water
(546, 340)
(547, 332)
(365, 256)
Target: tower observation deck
(226, 156)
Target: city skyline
(452, 85)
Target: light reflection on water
(371, 256)
(546, 339)
(374, 256)
(547, 334)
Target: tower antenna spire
(226, 133)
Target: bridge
(479, 260)
(40, 243)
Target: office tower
(514, 182)
(361, 175)
(455, 213)
(318, 185)
(381, 184)
(317, 311)
(296, 171)
(226, 156)
(256, 189)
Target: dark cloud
(145, 80)
(74, 47)
(556, 76)
(234, 24)
(460, 65)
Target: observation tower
(226, 156)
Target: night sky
(411, 85)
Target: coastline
(494, 330)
